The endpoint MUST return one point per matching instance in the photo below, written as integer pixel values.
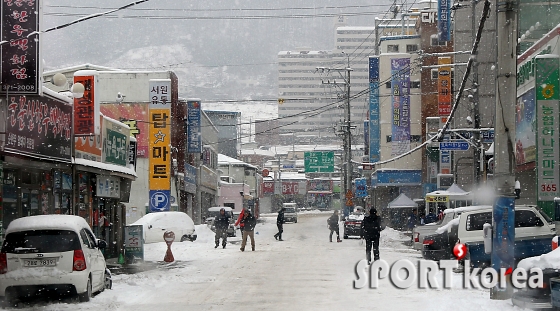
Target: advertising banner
(88, 147)
(319, 186)
(444, 20)
(361, 188)
(160, 145)
(525, 130)
(136, 117)
(374, 130)
(548, 148)
(503, 236)
(20, 68)
(116, 142)
(39, 126)
(108, 186)
(86, 108)
(134, 243)
(400, 98)
(194, 139)
(444, 87)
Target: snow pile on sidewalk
(545, 261)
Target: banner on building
(86, 108)
(116, 142)
(374, 131)
(88, 147)
(400, 99)
(194, 139)
(39, 126)
(20, 68)
(548, 119)
(136, 116)
(444, 20)
(444, 87)
(525, 130)
(160, 144)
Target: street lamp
(77, 89)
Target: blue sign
(444, 20)
(454, 145)
(396, 178)
(361, 188)
(160, 200)
(194, 139)
(374, 129)
(503, 236)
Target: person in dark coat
(333, 226)
(221, 224)
(249, 222)
(280, 224)
(371, 230)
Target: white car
(51, 253)
(155, 224)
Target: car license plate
(45, 262)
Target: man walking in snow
(221, 224)
(333, 226)
(280, 224)
(248, 223)
(239, 219)
(371, 230)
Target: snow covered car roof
(466, 209)
(549, 260)
(168, 219)
(41, 222)
(356, 216)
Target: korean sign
(116, 142)
(194, 141)
(444, 87)
(319, 161)
(21, 66)
(86, 108)
(374, 134)
(39, 126)
(88, 147)
(108, 186)
(134, 243)
(444, 20)
(136, 117)
(160, 144)
(400, 85)
(547, 100)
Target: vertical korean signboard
(400, 86)
(444, 20)
(86, 108)
(20, 69)
(116, 142)
(374, 152)
(547, 100)
(160, 145)
(194, 140)
(444, 108)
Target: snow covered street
(304, 272)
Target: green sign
(134, 243)
(115, 148)
(319, 162)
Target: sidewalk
(116, 268)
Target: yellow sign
(160, 149)
(437, 199)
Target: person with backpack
(280, 224)
(371, 231)
(332, 222)
(248, 223)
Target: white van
(290, 212)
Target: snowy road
(304, 272)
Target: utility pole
(504, 142)
(475, 100)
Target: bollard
(169, 237)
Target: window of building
(388, 85)
(415, 84)
(392, 48)
(411, 48)
(435, 41)
(434, 74)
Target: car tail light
(428, 242)
(417, 237)
(79, 260)
(3, 263)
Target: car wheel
(86, 296)
(10, 299)
(185, 238)
(108, 280)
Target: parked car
(440, 245)
(155, 224)
(290, 214)
(51, 253)
(353, 224)
(215, 211)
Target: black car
(439, 246)
(353, 225)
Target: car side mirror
(101, 244)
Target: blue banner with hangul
(361, 188)
(374, 131)
(503, 237)
(194, 139)
(444, 20)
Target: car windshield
(290, 210)
(41, 241)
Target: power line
(228, 9)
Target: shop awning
(112, 169)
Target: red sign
(84, 108)
(290, 188)
(268, 187)
(265, 172)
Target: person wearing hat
(371, 231)
(221, 225)
(248, 223)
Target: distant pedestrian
(333, 226)
(371, 231)
(248, 223)
(221, 224)
(412, 220)
(280, 224)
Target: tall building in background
(227, 123)
(266, 132)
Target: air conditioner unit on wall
(445, 181)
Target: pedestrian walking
(221, 224)
(238, 223)
(248, 223)
(332, 222)
(280, 224)
(371, 231)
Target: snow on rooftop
(105, 166)
(224, 159)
